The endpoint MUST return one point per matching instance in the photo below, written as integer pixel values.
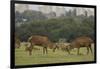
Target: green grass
(22, 57)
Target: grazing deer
(38, 40)
(82, 42)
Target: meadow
(22, 57)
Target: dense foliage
(67, 27)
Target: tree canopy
(67, 27)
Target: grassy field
(22, 57)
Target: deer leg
(54, 49)
(87, 50)
(30, 53)
(68, 50)
(46, 50)
(90, 49)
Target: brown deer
(38, 40)
(62, 46)
(83, 41)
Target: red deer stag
(82, 42)
(42, 41)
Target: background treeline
(67, 27)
